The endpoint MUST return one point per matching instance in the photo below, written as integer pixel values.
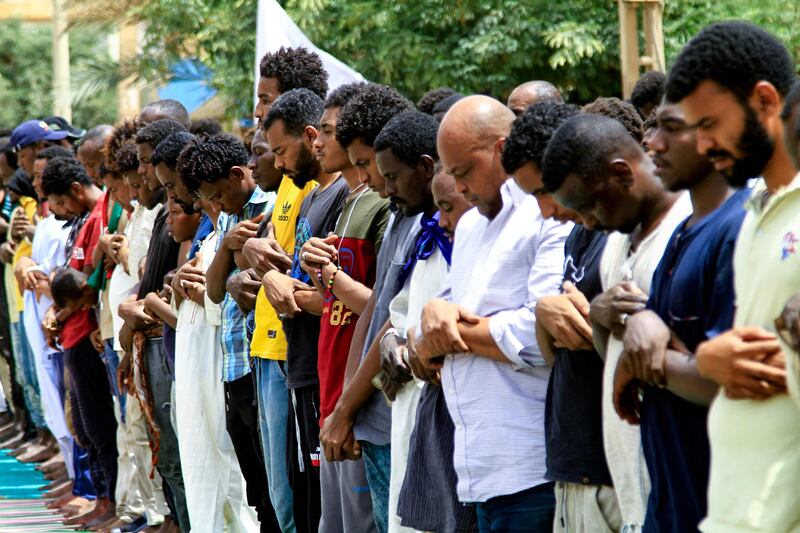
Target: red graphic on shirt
(357, 259)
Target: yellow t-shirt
(269, 341)
(755, 445)
(24, 247)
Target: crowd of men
(453, 316)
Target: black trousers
(303, 469)
(241, 421)
(93, 414)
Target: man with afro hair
(165, 164)
(524, 149)
(731, 81)
(406, 155)
(215, 168)
(360, 121)
(147, 139)
(128, 249)
(365, 291)
(287, 69)
(648, 92)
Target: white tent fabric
(275, 28)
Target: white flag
(275, 28)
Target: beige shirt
(623, 442)
(755, 445)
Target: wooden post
(62, 95)
(631, 60)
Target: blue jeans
(111, 360)
(531, 510)
(378, 463)
(273, 421)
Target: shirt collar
(760, 202)
(257, 197)
(511, 192)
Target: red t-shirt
(360, 228)
(81, 323)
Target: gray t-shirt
(374, 421)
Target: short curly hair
(127, 159)
(623, 112)
(124, 133)
(735, 55)
(531, 132)
(651, 121)
(157, 131)
(60, 173)
(409, 135)
(210, 159)
(295, 68)
(365, 115)
(648, 90)
(51, 152)
(297, 109)
(343, 94)
(583, 146)
(170, 148)
(205, 126)
(433, 97)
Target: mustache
(711, 154)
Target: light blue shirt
(500, 268)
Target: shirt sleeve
(514, 330)
(720, 315)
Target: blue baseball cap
(33, 131)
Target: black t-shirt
(573, 417)
(162, 256)
(317, 218)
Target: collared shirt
(755, 462)
(501, 267)
(233, 333)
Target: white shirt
(47, 251)
(623, 442)
(138, 231)
(500, 268)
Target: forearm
(162, 310)
(545, 341)
(360, 388)
(358, 340)
(684, 380)
(350, 292)
(217, 274)
(309, 301)
(480, 341)
(600, 337)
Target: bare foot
(37, 454)
(62, 489)
(98, 523)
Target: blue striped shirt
(233, 331)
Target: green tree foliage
(491, 46)
(26, 74)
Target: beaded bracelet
(331, 279)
